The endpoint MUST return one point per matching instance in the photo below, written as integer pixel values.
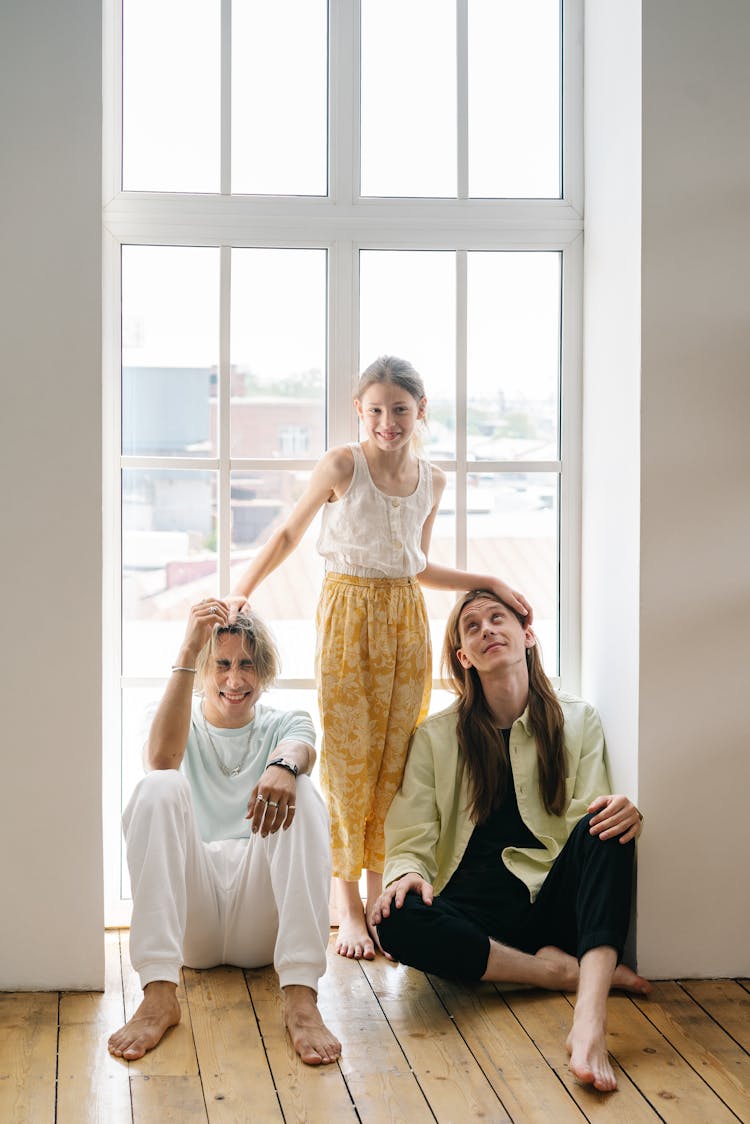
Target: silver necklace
(227, 772)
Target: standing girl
(373, 658)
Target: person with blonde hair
(507, 856)
(379, 500)
(226, 836)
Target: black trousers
(584, 903)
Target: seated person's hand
(395, 894)
(615, 815)
(272, 801)
(203, 616)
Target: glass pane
(408, 308)
(279, 97)
(287, 598)
(513, 533)
(171, 95)
(170, 345)
(513, 355)
(168, 561)
(408, 58)
(514, 98)
(278, 353)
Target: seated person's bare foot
(589, 1059)
(623, 978)
(353, 938)
(310, 1036)
(626, 979)
(158, 1011)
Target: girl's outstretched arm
(446, 577)
(330, 477)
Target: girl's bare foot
(353, 939)
(310, 1036)
(158, 1011)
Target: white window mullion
(111, 575)
(225, 173)
(224, 528)
(461, 406)
(571, 409)
(343, 333)
(343, 100)
(572, 104)
(462, 98)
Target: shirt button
(397, 544)
(396, 503)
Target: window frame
(343, 223)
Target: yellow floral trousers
(374, 671)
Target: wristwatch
(284, 763)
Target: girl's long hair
(479, 740)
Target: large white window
(292, 189)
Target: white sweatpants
(247, 902)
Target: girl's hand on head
(515, 599)
(235, 603)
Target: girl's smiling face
(389, 414)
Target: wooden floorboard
(415, 1049)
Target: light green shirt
(429, 826)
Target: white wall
(50, 426)
(690, 634)
(611, 377)
(695, 516)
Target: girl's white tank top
(371, 535)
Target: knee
(583, 834)
(158, 789)
(400, 924)
(309, 809)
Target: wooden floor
(415, 1049)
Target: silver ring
(290, 807)
(272, 803)
(259, 797)
(212, 609)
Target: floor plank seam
(468, 1047)
(713, 1017)
(195, 1048)
(688, 1063)
(263, 1044)
(530, 1037)
(412, 1071)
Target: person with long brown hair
(507, 856)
